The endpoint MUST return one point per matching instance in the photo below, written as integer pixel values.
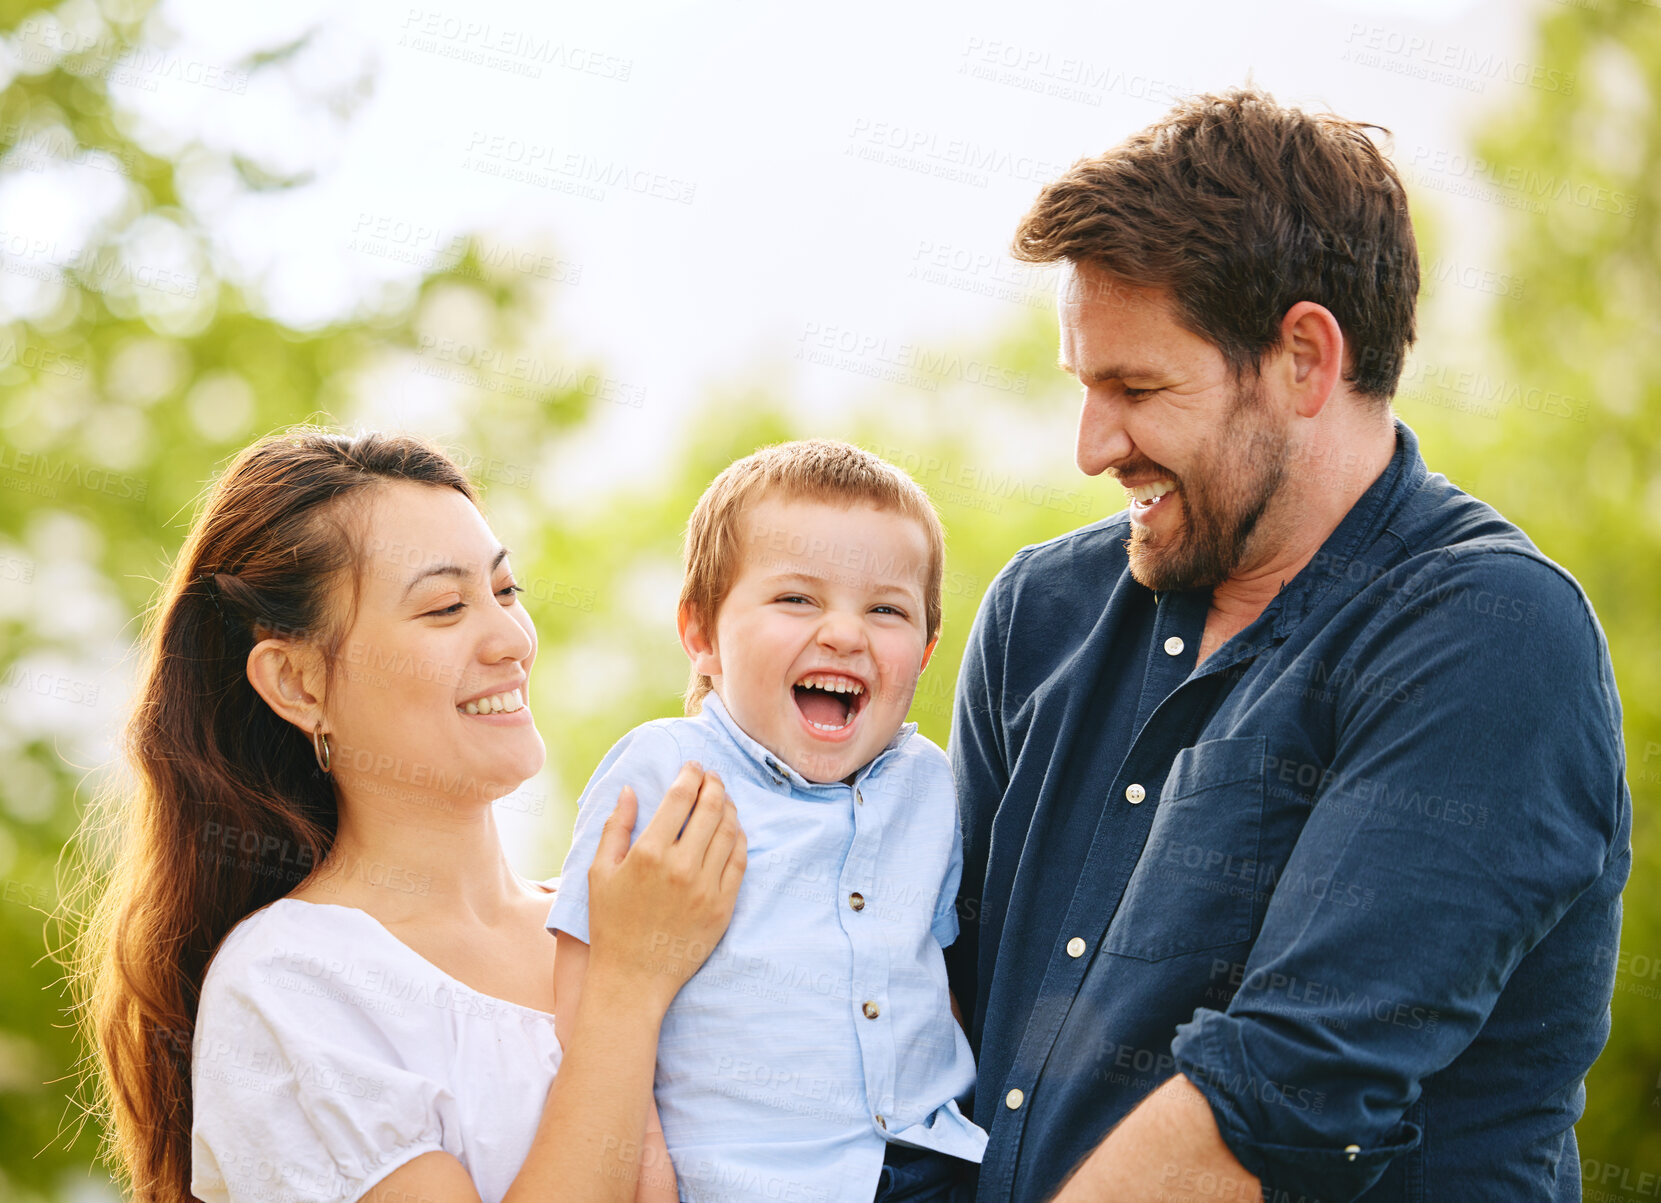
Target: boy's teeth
(831, 684)
(814, 692)
(496, 703)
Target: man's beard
(1222, 503)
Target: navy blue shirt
(1357, 875)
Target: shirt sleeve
(944, 925)
(981, 773)
(647, 758)
(299, 1095)
(1474, 793)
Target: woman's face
(428, 699)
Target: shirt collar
(766, 762)
(1355, 534)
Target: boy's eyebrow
(781, 577)
(819, 578)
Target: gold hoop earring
(320, 747)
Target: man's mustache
(1142, 469)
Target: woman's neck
(405, 861)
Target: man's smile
(1145, 499)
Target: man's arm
(980, 774)
(1472, 797)
(1167, 1149)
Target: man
(1293, 796)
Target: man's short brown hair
(1241, 208)
(824, 470)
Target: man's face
(819, 643)
(1201, 456)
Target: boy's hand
(657, 910)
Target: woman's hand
(657, 910)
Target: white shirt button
(1075, 947)
(1352, 1150)
(871, 1010)
(1134, 794)
(1014, 1099)
(1174, 645)
(859, 797)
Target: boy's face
(818, 645)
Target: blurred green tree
(133, 363)
(131, 367)
(1572, 453)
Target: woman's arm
(655, 912)
(588, 1144)
(657, 1173)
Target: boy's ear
(289, 676)
(927, 652)
(698, 642)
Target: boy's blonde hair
(823, 470)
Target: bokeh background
(599, 251)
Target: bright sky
(717, 192)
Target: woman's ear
(289, 676)
(699, 642)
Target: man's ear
(699, 642)
(927, 652)
(289, 676)
(1311, 356)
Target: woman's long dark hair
(226, 808)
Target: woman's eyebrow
(459, 571)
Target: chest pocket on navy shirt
(1195, 884)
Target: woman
(312, 973)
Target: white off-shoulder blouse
(328, 1053)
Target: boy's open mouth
(830, 701)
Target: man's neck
(1323, 486)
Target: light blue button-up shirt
(820, 1028)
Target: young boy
(815, 1056)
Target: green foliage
(1587, 328)
(119, 400)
